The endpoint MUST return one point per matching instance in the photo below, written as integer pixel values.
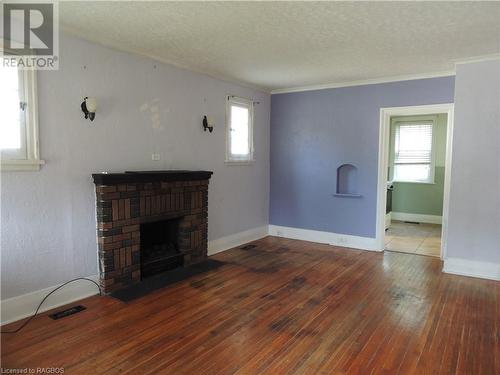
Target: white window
(414, 152)
(18, 122)
(239, 130)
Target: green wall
(418, 198)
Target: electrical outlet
(279, 233)
(155, 157)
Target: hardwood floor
(283, 307)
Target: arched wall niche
(347, 181)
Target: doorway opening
(414, 171)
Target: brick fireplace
(149, 222)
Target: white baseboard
(418, 218)
(237, 239)
(363, 243)
(473, 268)
(22, 306)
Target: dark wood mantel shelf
(149, 176)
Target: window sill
(415, 182)
(239, 162)
(347, 195)
(21, 165)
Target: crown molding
(476, 59)
(74, 33)
(364, 82)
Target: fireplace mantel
(127, 201)
(149, 176)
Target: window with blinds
(413, 152)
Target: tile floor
(423, 239)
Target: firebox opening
(159, 247)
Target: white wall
(474, 215)
(48, 217)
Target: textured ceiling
(276, 45)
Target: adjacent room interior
(250, 187)
(415, 186)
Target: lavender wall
(314, 132)
(48, 230)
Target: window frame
(432, 163)
(30, 161)
(245, 103)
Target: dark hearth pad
(164, 279)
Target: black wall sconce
(89, 106)
(208, 123)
